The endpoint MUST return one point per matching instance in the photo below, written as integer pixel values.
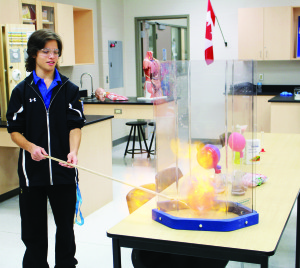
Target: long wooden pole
(110, 178)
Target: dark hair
(37, 41)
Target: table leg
(297, 265)
(116, 253)
(265, 263)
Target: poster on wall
(298, 38)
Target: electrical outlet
(261, 77)
(118, 111)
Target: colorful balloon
(208, 156)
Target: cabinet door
(9, 12)
(264, 113)
(277, 33)
(45, 15)
(65, 29)
(250, 33)
(28, 12)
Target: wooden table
(131, 109)
(254, 244)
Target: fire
(198, 189)
(180, 149)
(201, 195)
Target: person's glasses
(49, 51)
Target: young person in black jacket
(45, 117)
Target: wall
(227, 13)
(110, 22)
(275, 72)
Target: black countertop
(276, 89)
(279, 98)
(90, 119)
(247, 88)
(131, 101)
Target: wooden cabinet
(265, 33)
(285, 117)
(295, 31)
(83, 35)
(264, 113)
(45, 15)
(250, 33)
(39, 13)
(73, 24)
(28, 12)
(240, 112)
(9, 12)
(64, 13)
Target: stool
(136, 125)
(152, 139)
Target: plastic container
(259, 87)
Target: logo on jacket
(32, 100)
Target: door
(166, 37)
(115, 59)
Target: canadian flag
(210, 24)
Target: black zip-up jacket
(49, 129)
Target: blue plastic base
(219, 225)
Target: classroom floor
(94, 248)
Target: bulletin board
(13, 53)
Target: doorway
(166, 36)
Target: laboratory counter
(133, 108)
(284, 113)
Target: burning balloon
(208, 156)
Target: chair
(222, 138)
(136, 197)
(152, 151)
(136, 126)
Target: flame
(180, 149)
(201, 195)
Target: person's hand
(72, 159)
(99, 93)
(37, 153)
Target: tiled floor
(93, 246)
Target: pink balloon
(237, 142)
